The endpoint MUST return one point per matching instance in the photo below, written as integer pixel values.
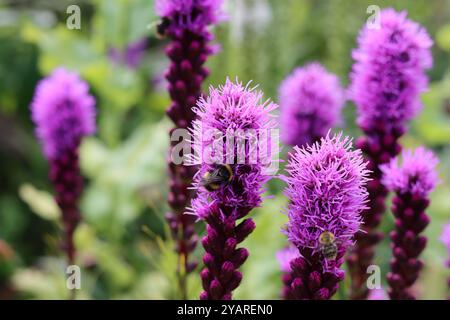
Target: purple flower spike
(64, 112)
(235, 112)
(327, 194)
(412, 181)
(386, 81)
(311, 100)
(185, 23)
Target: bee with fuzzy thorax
(328, 246)
(215, 179)
(161, 28)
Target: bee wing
(212, 179)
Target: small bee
(162, 27)
(328, 246)
(213, 180)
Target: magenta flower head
(389, 73)
(311, 100)
(326, 189)
(412, 181)
(416, 175)
(63, 111)
(231, 123)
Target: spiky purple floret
(416, 174)
(285, 256)
(190, 14)
(326, 187)
(63, 112)
(232, 110)
(389, 73)
(311, 100)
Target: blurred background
(124, 250)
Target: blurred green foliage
(124, 251)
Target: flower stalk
(186, 24)
(387, 79)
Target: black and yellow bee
(215, 179)
(328, 246)
(161, 28)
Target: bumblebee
(213, 180)
(162, 27)
(328, 246)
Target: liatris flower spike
(445, 238)
(185, 23)
(412, 181)
(284, 257)
(386, 81)
(311, 101)
(326, 189)
(64, 112)
(228, 189)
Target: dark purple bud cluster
(223, 258)
(407, 244)
(310, 281)
(379, 146)
(68, 184)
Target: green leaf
(41, 203)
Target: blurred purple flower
(311, 101)
(389, 73)
(285, 256)
(377, 294)
(228, 108)
(63, 112)
(445, 237)
(131, 56)
(326, 189)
